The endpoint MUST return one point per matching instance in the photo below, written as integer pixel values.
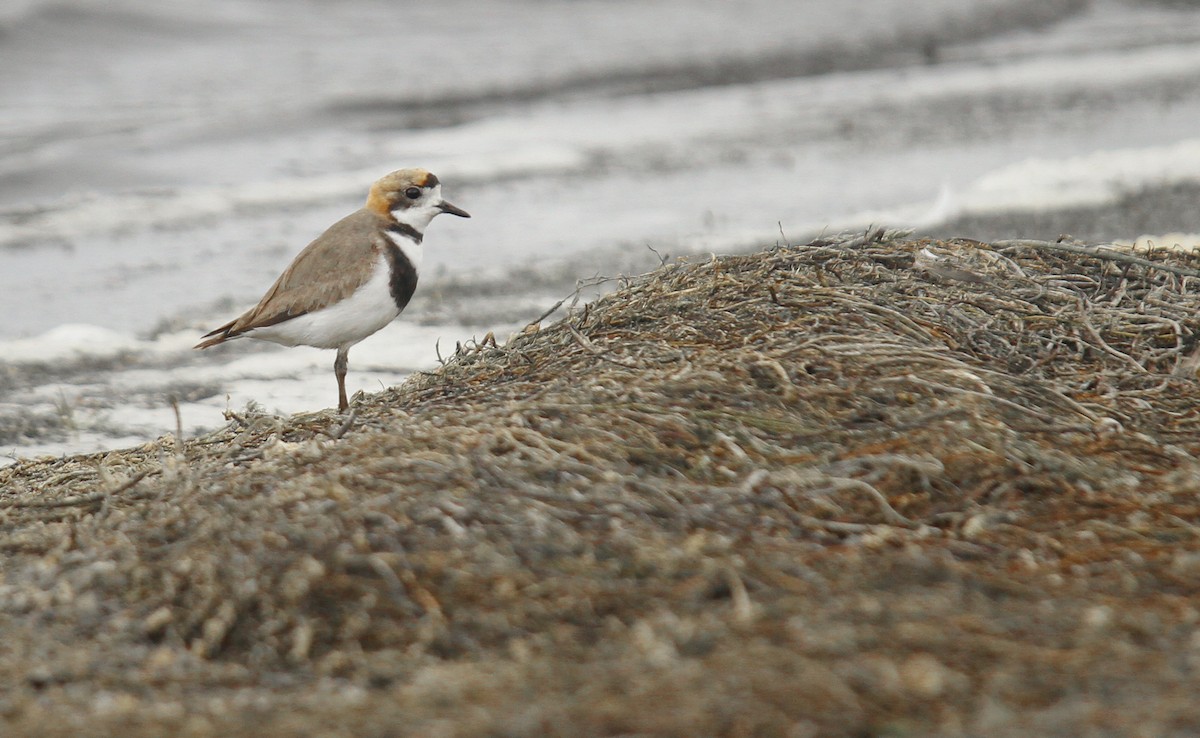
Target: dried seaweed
(855, 486)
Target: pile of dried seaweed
(853, 487)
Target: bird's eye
(412, 193)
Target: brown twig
(595, 350)
(1097, 251)
(84, 499)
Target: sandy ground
(855, 487)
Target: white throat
(419, 214)
(411, 249)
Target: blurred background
(161, 162)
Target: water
(160, 163)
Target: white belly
(344, 323)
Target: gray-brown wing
(329, 269)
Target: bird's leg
(339, 368)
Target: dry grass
(856, 487)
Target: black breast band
(404, 275)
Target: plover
(354, 279)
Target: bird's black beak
(453, 210)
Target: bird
(354, 279)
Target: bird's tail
(220, 335)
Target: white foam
(66, 342)
(1036, 184)
(98, 214)
(79, 341)
(1089, 179)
